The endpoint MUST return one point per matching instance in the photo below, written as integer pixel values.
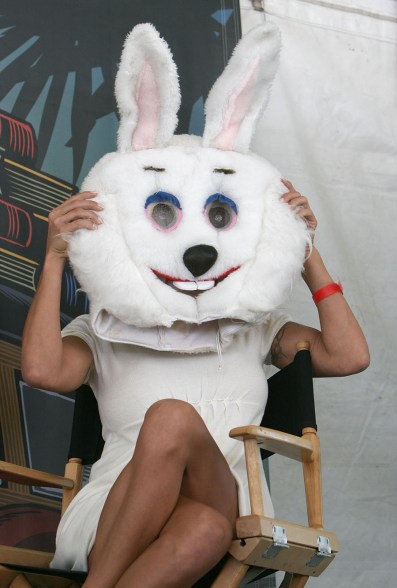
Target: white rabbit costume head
(193, 228)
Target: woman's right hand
(78, 212)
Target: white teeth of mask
(205, 285)
(190, 286)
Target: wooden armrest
(24, 557)
(280, 545)
(255, 526)
(22, 475)
(278, 442)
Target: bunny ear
(242, 91)
(147, 91)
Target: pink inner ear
(237, 109)
(148, 102)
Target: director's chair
(288, 428)
(264, 544)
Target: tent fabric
(331, 128)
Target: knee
(210, 540)
(170, 408)
(170, 414)
(214, 533)
(169, 424)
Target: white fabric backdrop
(331, 127)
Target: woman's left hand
(301, 206)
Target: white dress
(222, 376)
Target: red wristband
(327, 291)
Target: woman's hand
(78, 212)
(301, 206)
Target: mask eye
(163, 210)
(221, 211)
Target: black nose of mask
(199, 259)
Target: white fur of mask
(133, 269)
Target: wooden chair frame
(270, 543)
(70, 483)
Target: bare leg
(174, 455)
(192, 542)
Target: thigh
(209, 480)
(190, 544)
(179, 429)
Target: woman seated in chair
(194, 254)
(161, 508)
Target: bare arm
(48, 361)
(339, 348)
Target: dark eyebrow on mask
(224, 170)
(152, 168)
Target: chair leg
(231, 575)
(294, 581)
(20, 582)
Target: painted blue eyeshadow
(163, 197)
(221, 198)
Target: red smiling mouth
(191, 285)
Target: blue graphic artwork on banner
(58, 61)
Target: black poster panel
(58, 61)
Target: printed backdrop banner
(58, 61)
